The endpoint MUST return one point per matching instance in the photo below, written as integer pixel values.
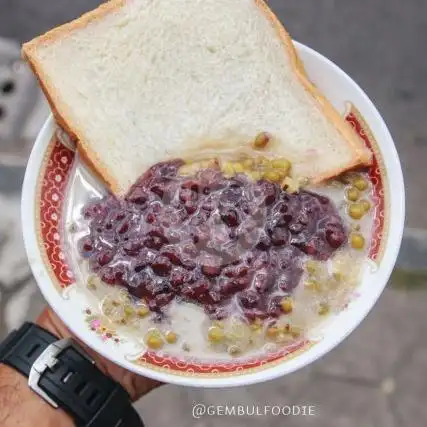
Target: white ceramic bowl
(45, 188)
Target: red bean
(220, 242)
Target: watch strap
(22, 347)
(67, 378)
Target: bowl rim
(307, 357)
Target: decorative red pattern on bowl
(182, 365)
(53, 191)
(52, 195)
(375, 251)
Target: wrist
(20, 406)
(50, 368)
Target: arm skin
(21, 407)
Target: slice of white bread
(136, 82)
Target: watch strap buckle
(47, 360)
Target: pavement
(376, 377)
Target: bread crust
(59, 109)
(361, 156)
(361, 153)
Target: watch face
(58, 185)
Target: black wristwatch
(62, 374)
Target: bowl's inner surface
(218, 262)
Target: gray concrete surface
(375, 378)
